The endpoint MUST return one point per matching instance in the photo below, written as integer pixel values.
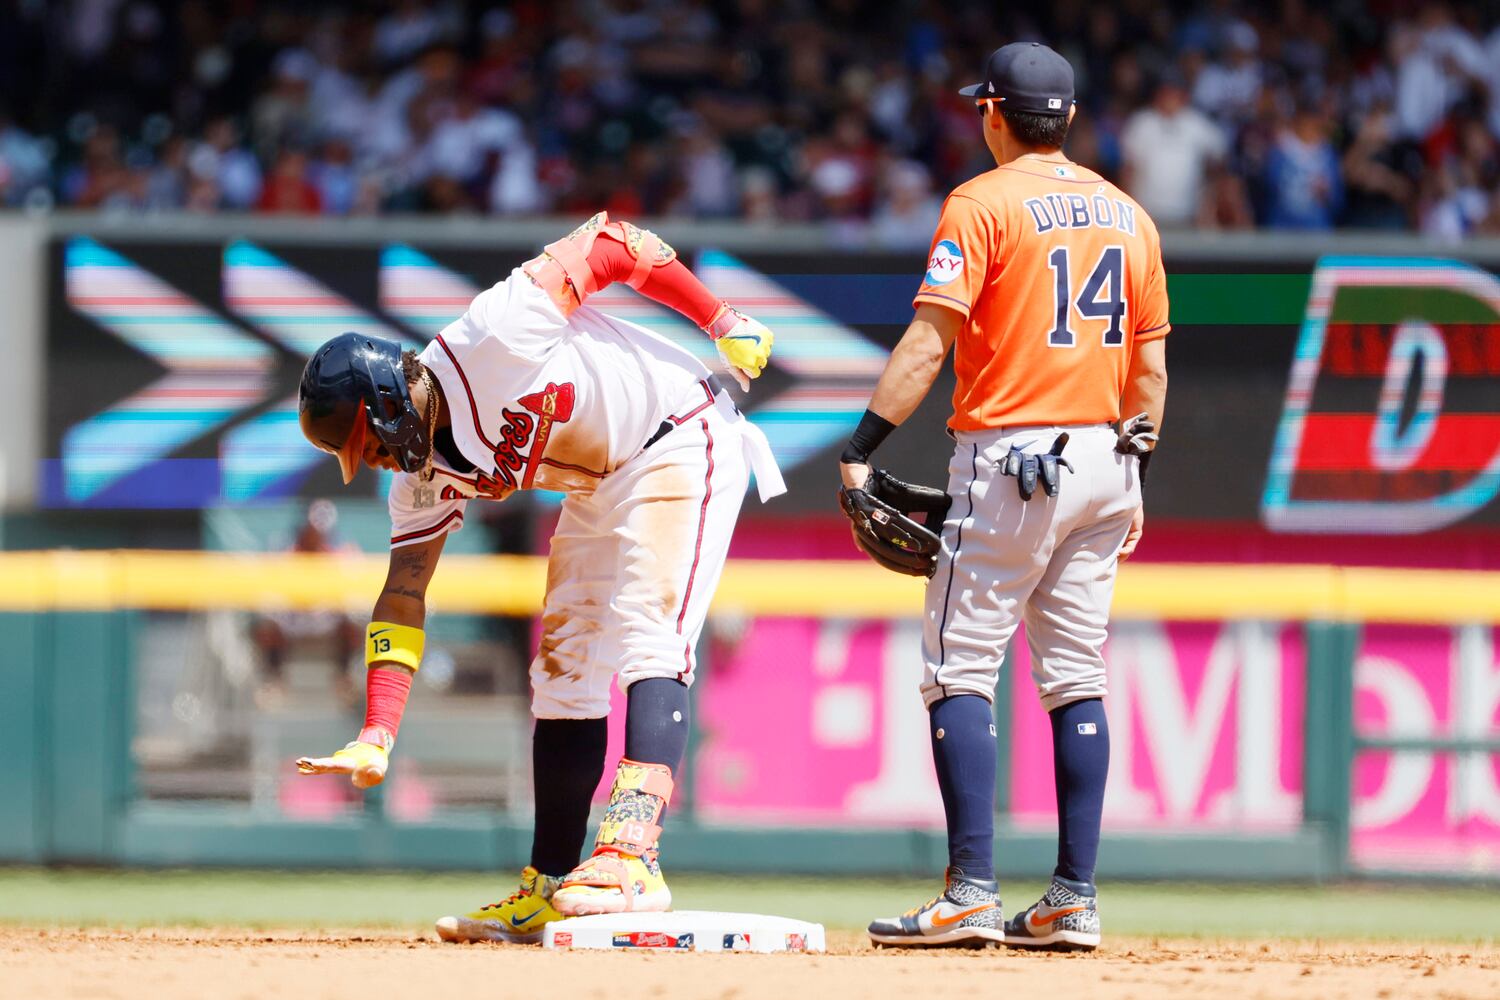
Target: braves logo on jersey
(540, 412)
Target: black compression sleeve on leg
(872, 430)
(567, 761)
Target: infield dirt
(228, 964)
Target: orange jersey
(1058, 274)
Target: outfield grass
(412, 900)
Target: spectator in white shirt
(1169, 150)
(907, 211)
(710, 186)
(1437, 62)
(462, 142)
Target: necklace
(432, 412)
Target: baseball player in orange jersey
(1049, 281)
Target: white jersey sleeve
(422, 511)
(519, 316)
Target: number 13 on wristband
(387, 642)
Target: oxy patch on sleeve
(945, 264)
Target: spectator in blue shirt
(1305, 190)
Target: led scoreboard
(1334, 396)
(1391, 422)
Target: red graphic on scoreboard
(1391, 423)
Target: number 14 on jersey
(1101, 297)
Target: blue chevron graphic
(214, 370)
(267, 456)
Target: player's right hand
(1133, 536)
(746, 347)
(365, 763)
(1137, 435)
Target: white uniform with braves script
(539, 400)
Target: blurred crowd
(1221, 113)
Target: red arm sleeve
(672, 284)
(386, 691)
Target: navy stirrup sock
(1080, 758)
(656, 722)
(567, 761)
(964, 752)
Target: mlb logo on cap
(1054, 102)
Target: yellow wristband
(387, 642)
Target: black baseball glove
(883, 528)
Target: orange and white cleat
(966, 915)
(623, 874)
(1065, 919)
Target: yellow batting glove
(365, 763)
(744, 343)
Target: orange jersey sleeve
(962, 250)
(1151, 314)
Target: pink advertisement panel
(1206, 722)
(1418, 810)
(1205, 730)
(820, 723)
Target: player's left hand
(746, 347)
(880, 512)
(365, 763)
(1133, 536)
(854, 475)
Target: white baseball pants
(1050, 561)
(635, 564)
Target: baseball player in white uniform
(532, 388)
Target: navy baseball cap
(1026, 76)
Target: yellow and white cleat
(517, 919)
(612, 882)
(622, 875)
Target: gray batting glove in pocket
(1032, 469)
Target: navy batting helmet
(354, 384)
